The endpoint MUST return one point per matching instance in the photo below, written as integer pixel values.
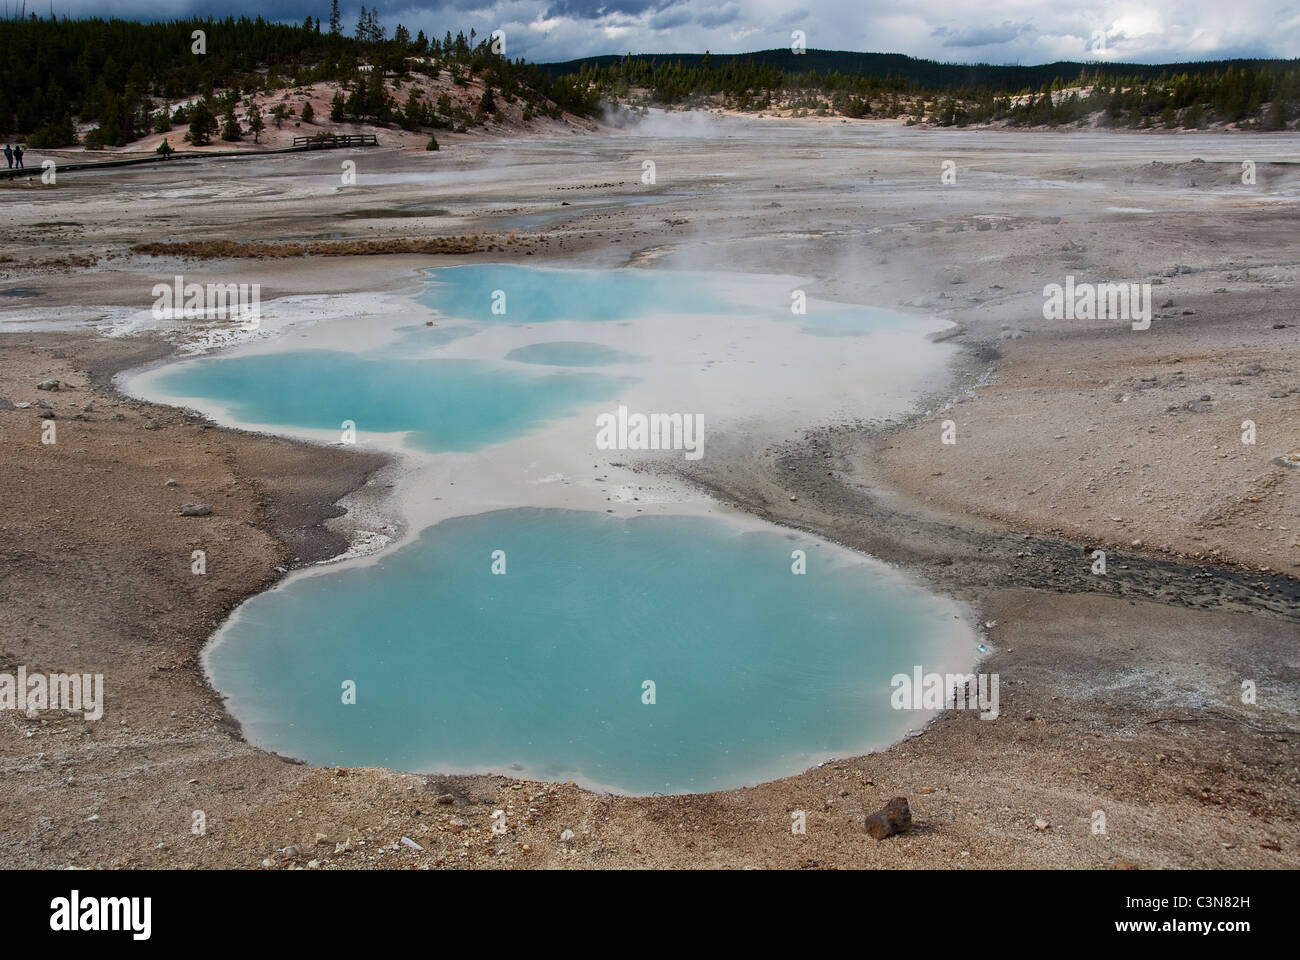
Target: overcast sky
(992, 31)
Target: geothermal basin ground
(1121, 693)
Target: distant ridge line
(930, 74)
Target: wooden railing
(328, 140)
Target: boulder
(196, 510)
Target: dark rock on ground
(894, 817)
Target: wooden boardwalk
(326, 141)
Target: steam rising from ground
(686, 124)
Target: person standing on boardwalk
(9, 155)
(18, 155)
(165, 148)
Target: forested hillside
(1263, 94)
(120, 75)
(112, 82)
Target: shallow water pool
(545, 668)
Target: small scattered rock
(48, 385)
(894, 817)
(1041, 824)
(196, 510)
(408, 842)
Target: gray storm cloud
(1005, 31)
(982, 36)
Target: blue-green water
(539, 295)
(571, 353)
(758, 672)
(450, 404)
(459, 404)
(536, 295)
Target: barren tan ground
(1119, 694)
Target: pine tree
(231, 130)
(202, 124)
(413, 117)
(356, 102)
(335, 19)
(253, 116)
